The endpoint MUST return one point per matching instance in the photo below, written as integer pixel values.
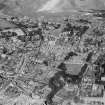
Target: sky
(32, 6)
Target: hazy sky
(49, 5)
(31, 6)
(82, 4)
